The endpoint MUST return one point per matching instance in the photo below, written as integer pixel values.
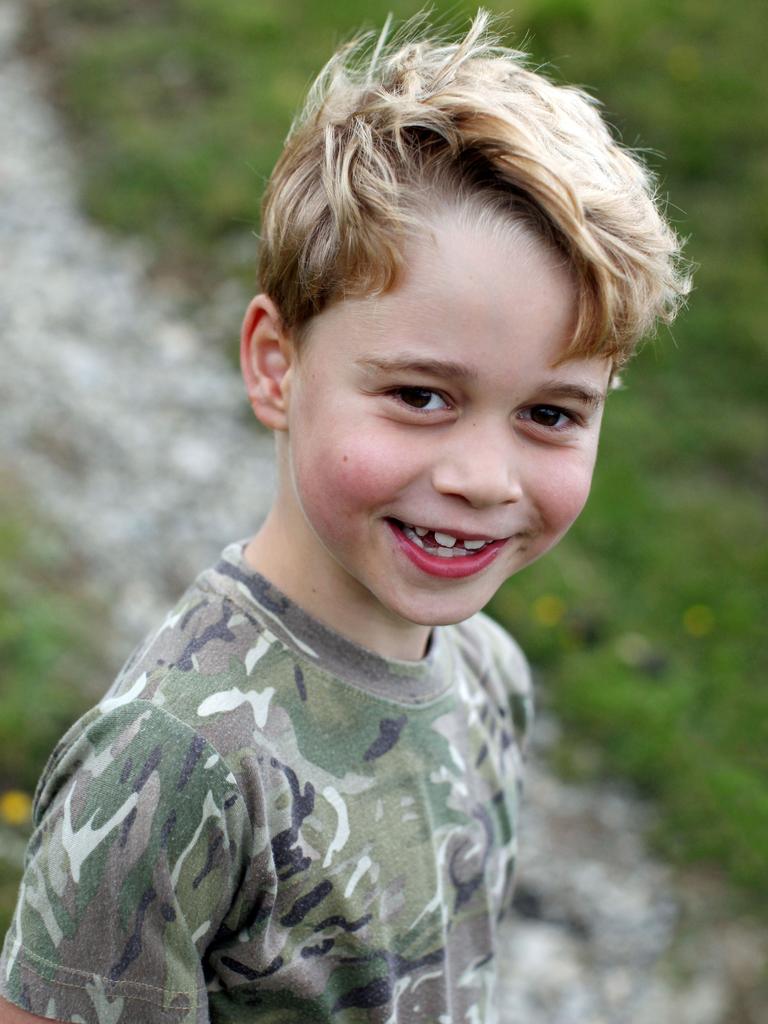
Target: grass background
(647, 623)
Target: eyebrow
(588, 396)
(448, 369)
(431, 367)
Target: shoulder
(213, 653)
(200, 634)
(126, 752)
(489, 648)
(491, 659)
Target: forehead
(469, 292)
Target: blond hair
(393, 130)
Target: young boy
(298, 802)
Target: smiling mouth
(443, 545)
(443, 555)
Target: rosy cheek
(564, 495)
(343, 478)
(368, 469)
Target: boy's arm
(138, 856)
(10, 1014)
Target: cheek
(342, 475)
(563, 492)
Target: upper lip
(459, 533)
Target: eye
(550, 416)
(423, 399)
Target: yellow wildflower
(15, 807)
(548, 609)
(698, 620)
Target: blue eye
(423, 399)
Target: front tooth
(474, 545)
(444, 552)
(445, 539)
(421, 530)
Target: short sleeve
(142, 839)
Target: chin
(444, 614)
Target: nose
(481, 467)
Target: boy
(297, 803)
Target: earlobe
(265, 360)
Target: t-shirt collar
(405, 682)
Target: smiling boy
(298, 801)
(429, 445)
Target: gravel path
(116, 413)
(124, 426)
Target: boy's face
(436, 407)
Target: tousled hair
(393, 130)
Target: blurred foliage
(49, 644)
(647, 623)
(51, 659)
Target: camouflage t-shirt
(262, 821)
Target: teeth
(449, 546)
(411, 535)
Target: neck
(323, 589)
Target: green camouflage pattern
(261, 821)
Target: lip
(447, 568)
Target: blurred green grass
(52, 657)
(647, 623)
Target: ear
(266, 355)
